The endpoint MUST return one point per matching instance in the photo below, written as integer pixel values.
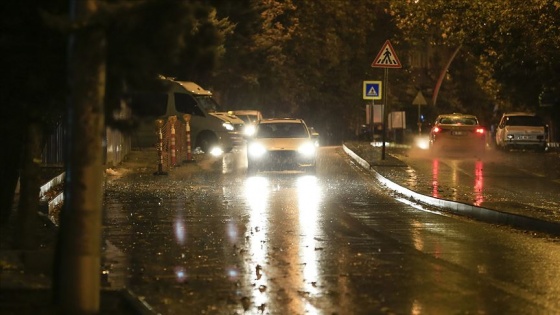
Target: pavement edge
(468, 210)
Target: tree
(115, 46)
(33, 100)
(305, 59)
(79, 244)
(510, 44)
(156, 34)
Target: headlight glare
(249, 130)
(307, 149)
(228, 126)
(216, 151)
(256, 150)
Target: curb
(468, 210)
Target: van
(210, 126)
(521, 131)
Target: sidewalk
(396, 175)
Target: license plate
(524, 137)
(457, 133)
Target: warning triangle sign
(372, 91)
(386, 58)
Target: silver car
(521, 131)
(281, 144)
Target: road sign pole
(372, 122)
(385, 113)
(386, 58)
(419, 100)
(419, 122)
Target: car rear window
(523, 121)
(458, 121)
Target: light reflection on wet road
(511, 181)
(207, 239)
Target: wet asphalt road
(519, 182)
(207, 239)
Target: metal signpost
(372, 90)
(420, 101)
(386, 58)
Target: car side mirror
(313, 133)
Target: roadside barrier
(173, 145)
(172, 120)
(187, 119)
(159, 130)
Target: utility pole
(77, 279)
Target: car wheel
(206, 140)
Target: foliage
(304, 59)
(143, 39)
(33, 82)
(512, 44)
(159, 37)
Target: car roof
(457, 115)
(245, 112)
(519, 114)
(282, 120)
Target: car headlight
(256, 150)
(249, 130)
(307, 149)
(228, 126)
(216, 151)
(509, 137)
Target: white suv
(521, 130)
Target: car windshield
(247, 118)
(282, 130)
(458, 121)
(208, 103)
(523, 121)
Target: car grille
(236, 138)
(283, 160)
(282, 157)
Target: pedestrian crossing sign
(372, 90)
(386, 58)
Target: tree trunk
(77, 278)
(27, 218)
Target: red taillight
(436, 130)
(480, 131)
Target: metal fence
(175, 146)
(116, 146)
